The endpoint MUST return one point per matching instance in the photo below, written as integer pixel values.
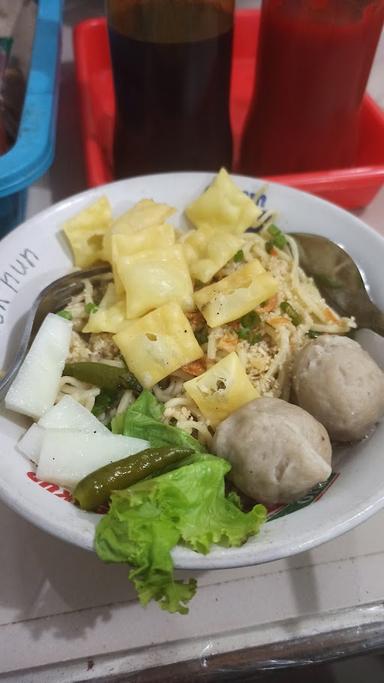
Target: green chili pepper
(295, 317)
(65, 314)
(103, 375)
(96, 488)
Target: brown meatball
(277, 450)
(339, 383)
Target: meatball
(277, 450)
(336, 381)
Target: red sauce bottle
(312, 69)
(171, 62)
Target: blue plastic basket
(33, 150)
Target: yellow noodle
(268, 362)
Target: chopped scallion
(249, 335)
(250, 319)
(295, 317)
(278, 238)
(91, 308)
(239, 256)
(65, 314)
(246, 330)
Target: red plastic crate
(350, 187)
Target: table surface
(64, 616)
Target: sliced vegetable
(67, 414)
(188, 504)
(295, 317)
(109, 377)
(143, 420)
(95, 489)
(35, 388)
(67, 455)
(30, 443)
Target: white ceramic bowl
(36, 253)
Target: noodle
(267, 361)
(80, 391)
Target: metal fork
(53, 298)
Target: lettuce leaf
(143, 420)
(186, 505)
(147, 404)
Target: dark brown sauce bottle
(171, 63)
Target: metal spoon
(339, 280)
(51, 299)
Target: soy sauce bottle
(171, 62)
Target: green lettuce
(186, 505)
(143, 420)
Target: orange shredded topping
(269, 305)
(196, 368)
(330, 316)
(279, 320)
(235, 324)
(196, 319)
(227, 343)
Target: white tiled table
(64, 616)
